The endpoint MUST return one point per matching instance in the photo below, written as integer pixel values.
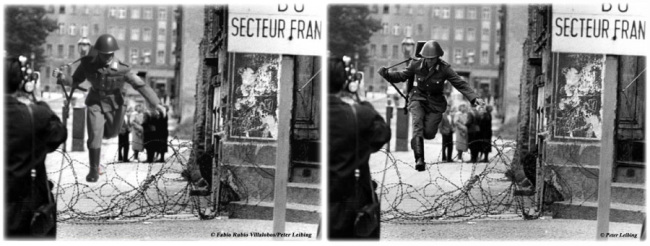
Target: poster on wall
(255, 96)
(579, 81)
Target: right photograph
(487, 122)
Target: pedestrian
(33, 131)
(355, 131)
(162, 133)
(106, 99)
(460, 127)
(486, 132)
(149, 134)
(426, 100)
(473, 134)
(137, 132)
(123, 138)
(447, 132)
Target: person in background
(137, 132)
(460, 127)
(486, 132)
(123, 138)
(149, 134)
(474, 133)
(447, 132)
(33, 132)
(162, 133)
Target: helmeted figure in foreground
(426, 100)
(106, 104)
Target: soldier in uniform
(426, 100)
(106, 104)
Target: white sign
(609, 28)
(295, 29)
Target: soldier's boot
(93, 173)
(417, 144)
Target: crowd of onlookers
(471, 128)
(147, 130)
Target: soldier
(426, 100)
(105, 101)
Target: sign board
(608, 28)
(295, 29)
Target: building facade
(469, 35)
(145, 34)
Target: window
(134, 56)
(470, 56)
(485, 15)
(435, 33)
(384, 51)
(59, 51)
(395, 51)
(445, 33)
(485, 34)
(459, 34)
(73, 29)
(160, 57)
(460, 13)
(436, 12)
(146, 34)
(62, 9)
(135, 34)
(95, 29)
(146, 56)
(445, 13)
(84, 30)
(61, 28)
(147, 13)
(385, 29)
(71, 51)
(420, 29)
(373, 50)
(135, 13)
(121, 13)
(408, 31)
(397, 8)
(162, 14)
(48, 50)
(162, 34)
(471, 13)
(471, 34)
(396, 29)
(112, 12)
(73, 9)
(421, 9)
(458, 56)
(485, 57)
(121, 33)
(386, 9)
(374, 9)
(409, 10)
(98, 11)
(86, 10)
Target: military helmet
(84, 40)
(106, 44)
(431, 49)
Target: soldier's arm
(142, 88)
(461, 85)
(399, 76)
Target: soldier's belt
(429, 94)
(105, 92)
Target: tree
(350, 28)
(26, 28)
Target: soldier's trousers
(103, 125)
(424, 122)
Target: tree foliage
(26, 30)
(350, 28)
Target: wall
(514, 59)
(192, 31)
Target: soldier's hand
(383, 71)
(57, 73)
(478, 102)
(161, 108)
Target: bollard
(78, 128)
(389, 117)
(402, 130)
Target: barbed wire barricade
(127, 192)
(450, 192)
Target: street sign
(608, 28)
(295, 29)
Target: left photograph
(168, 122)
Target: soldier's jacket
(107, 83)
(428, 84)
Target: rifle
(409, 84)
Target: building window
(374, 9)
(410, 10)
(62, 9)
(73, 9)
(146, 34)
(485, 15)
(146, 56)
(61, 28)
(485, 34)
(385, 29)
(162, 34)
(384, 51)
(471, 13)
(420, 29)
(445, 33)
(59, 51)
(458, 56)
(408, 31)
(395, 51)
(470, 56)
(396, 29)
(71, 51)
(460, 13)
(98, 11)
(160, 57)
(86, 10)
(135, 34)
(386, 9)
(471, 34)
(459, 34)
(435, 33)
(73, 29)
(112, 12)
(373, 50)
(84, 30)
(397, 8)
(135, 13)
(162, 14)
(436, 11)
(485, 56)
(134, 56)
(121, 14)
(147, 14)
(421, 9)
(445, 13)
(121, 33)
(48, 50)
(95, 29)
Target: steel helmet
(84, 40)
(431, 49)
(106, 44)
